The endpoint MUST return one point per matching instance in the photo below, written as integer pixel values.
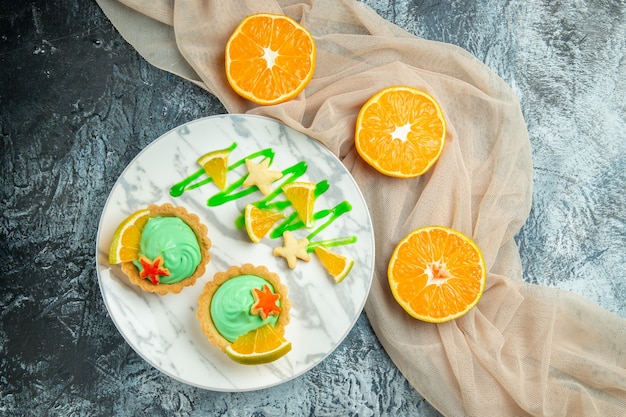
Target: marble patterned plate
(163, 329)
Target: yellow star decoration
(260, 175)
(293, 249)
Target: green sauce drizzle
(185, 185)
(292, 222)
(289, 175)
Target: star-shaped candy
(153, 269)
(293, 249)
(265, 302)
(260, 175)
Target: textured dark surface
(77, 103)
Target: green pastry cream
(173, 240)
(231, 304)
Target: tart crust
(201, 232)
(203, 313)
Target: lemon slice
(262, 345)
(215, 165)
(125, 244)
(338, 266)
(302, 198)
(259, 222)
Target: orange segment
(259, 222)
(126, 238)
(400, 131)
(437, 274)
(258, 346)
(269, 58)
(338, 266)
(215, 165)
(302, 198)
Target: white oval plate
(163, 329)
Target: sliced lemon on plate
(126, 238)
(259, 346)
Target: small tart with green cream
(172, 250)
(241, 300)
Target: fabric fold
(525, 349)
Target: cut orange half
(338, 266)
(262, 345)
(126, 238)
(259, 221)
(400, 131)
(437, 274)
(269, 58)
(215, 165)
(302, 198)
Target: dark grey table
(77, 103)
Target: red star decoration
(152, 269)
(265, 302)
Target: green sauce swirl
(176, 242)
(231, 303)
(292, 222)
